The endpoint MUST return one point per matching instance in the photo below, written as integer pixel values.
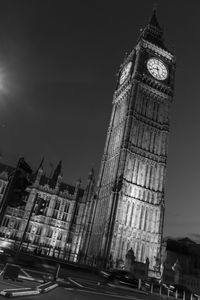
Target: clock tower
(131, 187)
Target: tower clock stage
(131, 186)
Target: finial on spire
(153, 20)
(78, 182)
(40, 165)
(155, 6)
(57, 172)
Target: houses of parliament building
(126, 208)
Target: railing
(172, 291)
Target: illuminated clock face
(157, 69)
(125, 72)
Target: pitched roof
(153, 20)
(153, 32)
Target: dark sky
(58, 65)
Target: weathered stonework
(131, 186)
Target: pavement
(70, 284)
(76, 286)
(26, 283)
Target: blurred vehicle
(122, 277)
(104, 274)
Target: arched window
(127, 210)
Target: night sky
(58, 65)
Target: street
(79, 286)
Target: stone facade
(131, 185)
(62, 228)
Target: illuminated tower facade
(130, 194)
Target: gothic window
(5, 222)
(150, 108)
(157, 221)
(57, 204)
(48, 199)
(160, 113)
(36, 240)
(132, 170)
(141, 99)
(166, 113)
(154, 220)
(146, 176)
(137, 216)
(13, 235)
(127, 210)
(156, 142)
(16, 226)
(131, 217)
(39, 230)
(55, 214)
(128, 246)
(147, 107)
(59, 237)
(144, 104)
(122, 247)
(155, 107)
(143, 173)
(137, 253)
(66, 209)
(150, 220)
(164, 144)
(49, 232)
(151, 177)
(160, 178)
(142, 253)
(135, 167)
(141, 129)
(138, 173)
(135, 133)
(139, 194)
(141, 217)
(144, 196)
(138, 102)
(117, 116)
(146, 219)
(151, 141)
(148, 197)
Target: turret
(90, 184)
(77, 186)
(57, 176)
(59, 180)
(39, 172)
